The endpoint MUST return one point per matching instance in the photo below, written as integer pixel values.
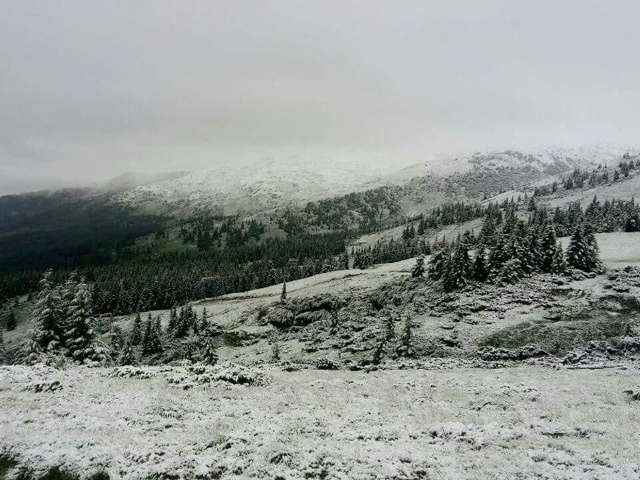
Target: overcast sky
(90, 89)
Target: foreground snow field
(520, 422)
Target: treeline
(359, 212)
(602, 175)
(413, 242)
(207, 232)
(512, 251)
(172, 279)
(185, 337)
(608, 216)
(65, 329)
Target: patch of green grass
(561, 336)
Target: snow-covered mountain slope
(240, 187)
(550, 161)
(249, 188)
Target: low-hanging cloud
(91, 89)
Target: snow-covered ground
(523, 422)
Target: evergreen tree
(173, 320)
(127, 357)
(208, 353)
(406, 343)
(438, 263)
(532, 259)
(480, 266)
(48, 314)
(594, 249)
(78, 335)
(582, 252)
(157, 327)
(558, 264)
(499, 254)
(418, 268)
(283, 294)
(631, 225)
(151, 342)
(146, 338)
(510, 272)
(136, 331)
(548, 247)
(204, 322)
(118, 339)
(275, 351)
(458, 269)
(389, 328)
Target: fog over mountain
(90, 90)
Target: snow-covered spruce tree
(78, 335)
(480, 266)
(378, 352)
(204, 326)
(458, 270)
(275, 350)
(558, 264)
(128, 356)
(389, 328)
(118, 339)
(406, 340)
(594, 249)
(146, 337)
(582, 252)
(438, 263)
(48, 315)
(136, 331)
(510, 271)
(151, 342)
(173, 320)
(532, 257)
(418, 268)
(499, 254)
(182, 325)
(208, 354)
(157, 327)
(548, 248)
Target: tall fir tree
(458, 269)
(136, 331)
(128, 356)
(558, 264)
(582, 252)
(418, 268)
(48, 314)
(548, 247)
(204, 322)
(78, 335)
(438, 263)
(480, 266)
(173, 320)
(208, 354)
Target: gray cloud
(90, 89)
